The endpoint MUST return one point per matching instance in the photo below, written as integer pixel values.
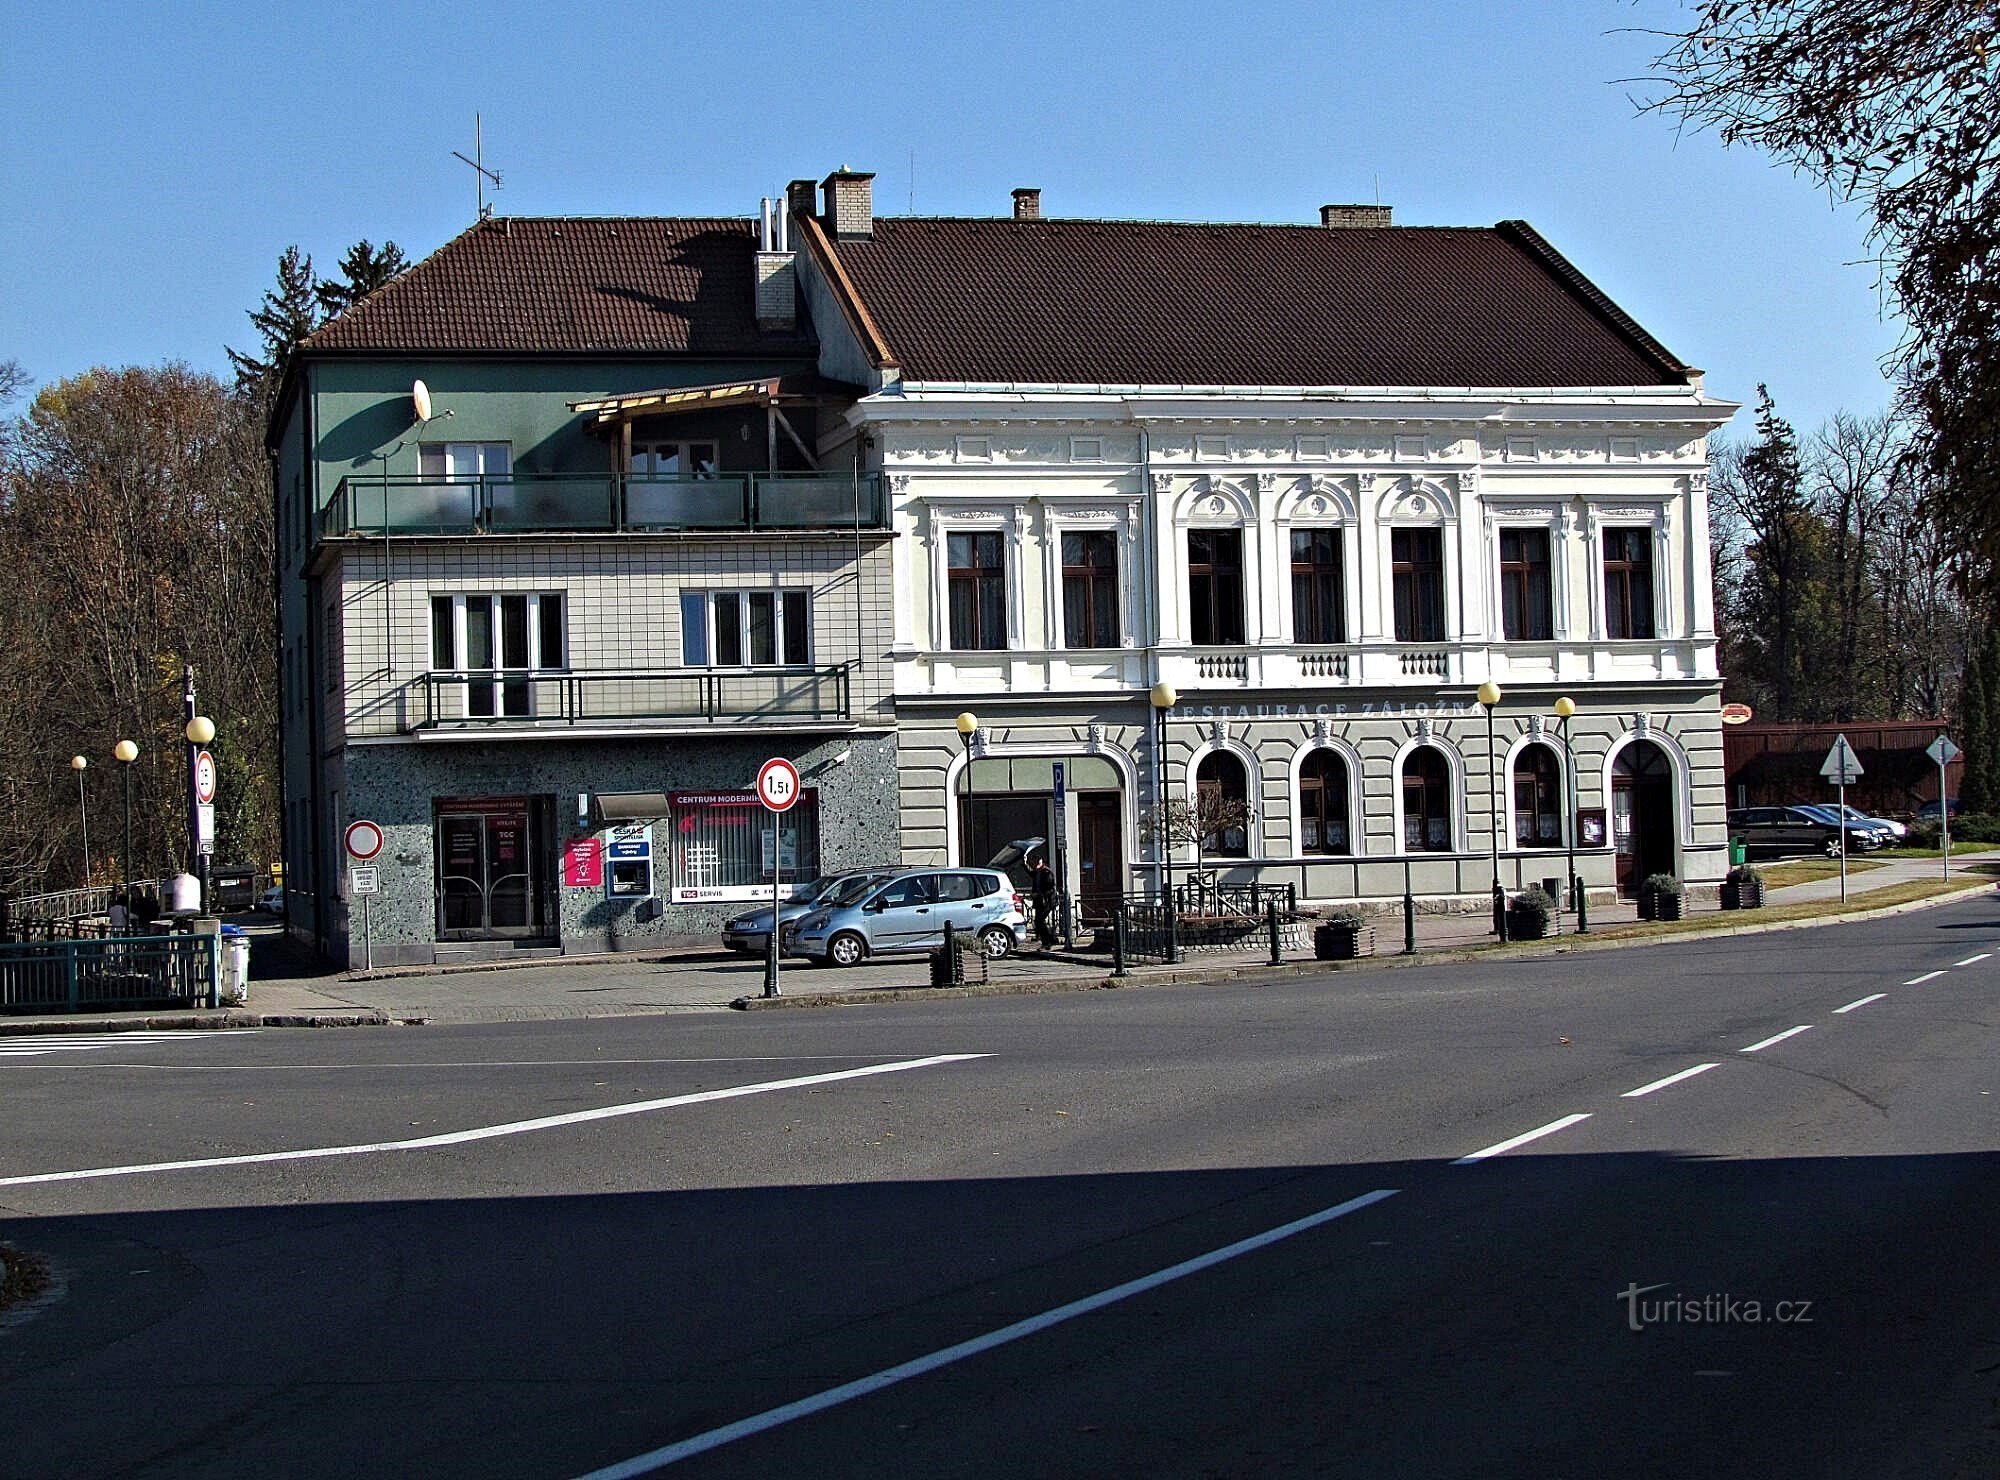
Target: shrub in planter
(1662, 897)
(1529, 913)
(1743, 889)
(1344, 935)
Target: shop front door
(490, 882)
(1642, 814)
(1100, 852)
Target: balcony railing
(602, 503)
(626, 699)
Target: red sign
(583, 864)
(1736, 714)
(204, 777)
(364, 840)
(778, 784)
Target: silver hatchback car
(908, 912)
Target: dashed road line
(1778, 1038)
(1974, 960)
(1521, 1140)
(1862, 1002)
(1647, 1089)
(489, 1132)
(847, 1392)
(1918, 981)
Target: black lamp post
(199, 731)
(80, 764)
(1565, 707)
(127, 752)
(967, 725)
(1489, 699)
(1164, 698)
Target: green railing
(78, 975)
(500, 698)
(600, 503)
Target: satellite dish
(421, 394)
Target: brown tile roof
(583, 284)
(1162, 303)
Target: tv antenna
(480, 173)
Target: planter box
(1658, 904)
(1523, 926)
(1340, 943)
(1747, 895)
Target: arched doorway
(1642, 813)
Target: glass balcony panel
(685, 503)
(522, 504)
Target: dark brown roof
(1161, 303)
(580, 284)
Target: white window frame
(779, 595)
(538, 661)
(464, 462)
(683, 450)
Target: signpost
(1944, 753)
(364, 841)
(1843, 768)
(778, 790)
(1061, 851)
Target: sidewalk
(286, 991)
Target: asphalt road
(1199, 1230)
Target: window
(488, 647)
(978, 591)
(1222, 795)
(675, 459)
(1417, 561)
(1628, 583)
(1426, 801)
(726, 846)
(746, 629)
(462, 462)
(1526, 602)
(1537, 798)
(1323, 804)
(1215, 587)
(1319, 586)
(1090, 589)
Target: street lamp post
(967, 725)
(199, 731)
(1565, 707)
(1489, 699)
(126, 752)
(1164, 698)
(80, 764)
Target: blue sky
(154, 161)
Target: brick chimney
(777, 275)
(850, 202)
(1027, 204)
(1342, 216)
(799, 197)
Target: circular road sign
(778, 784)
(1736, 714)
(364, 840)
(204, 777)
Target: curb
(196, 1022)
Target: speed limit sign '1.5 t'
(778, 784)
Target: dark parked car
(1864, 834)
(1774, 830)
(1932, 811)
(750, 932)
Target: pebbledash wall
(397, 785)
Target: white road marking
(1862, 1002)
(1918, 981)
(1974, 960)
(847, 1392)
(1647, 1089)
(421, 1064)
(489, 1132)
(31, 1046)
(1778, 1038)
(1521, 1140)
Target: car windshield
(846, 891)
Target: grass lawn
(1957, 847)
(1805, 870)
(1970, 882)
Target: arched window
(1222, 799)
(1323, 804)
(1426, 801)
(1537, 798)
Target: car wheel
(1831, 848)
(846, 949)
(997, 941)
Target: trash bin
(235, 984)
(1739, 852)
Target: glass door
(488, 885)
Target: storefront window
(728, 846)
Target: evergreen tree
(288, 314)
(362, 271)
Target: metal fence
(76, 975)
(66, 904)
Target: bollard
(1118, 942)
(1409, 921)
(1582, 908)
(1068, 915)
(954, 971)
(1277, 941)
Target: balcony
(603, 503)
(491, 702)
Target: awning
(627, 806)
(801, 388)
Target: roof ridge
(1308, 226)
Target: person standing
(1042, 888)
